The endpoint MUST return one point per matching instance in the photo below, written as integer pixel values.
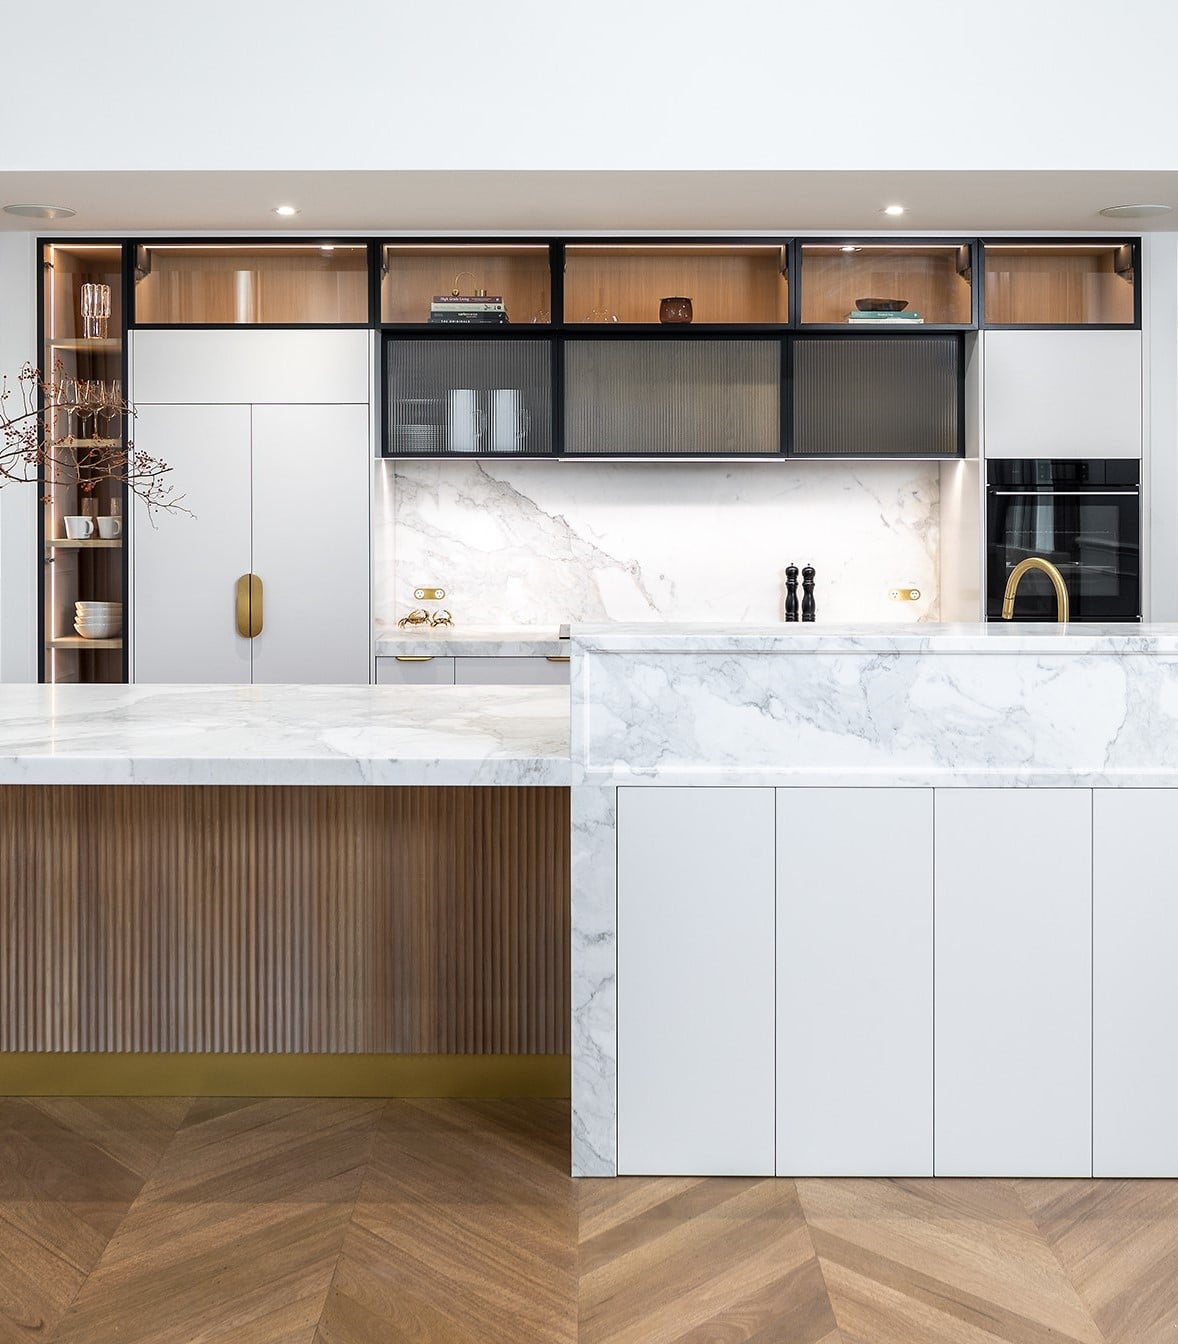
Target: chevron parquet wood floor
(448, 1222)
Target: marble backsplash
(541, 542)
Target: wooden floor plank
(465, 1230)
(237, 1233)
(69, 1172)
(940, 1262)
(1118, 1241)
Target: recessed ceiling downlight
(893, 210)
(286, 210)
(40, 211)
(1135, 211)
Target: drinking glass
(95, 310)
(91, 398)
(66, 403)
(112, 406)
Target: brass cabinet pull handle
(414, 657)
(249, 606)
(557, 658)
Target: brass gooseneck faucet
(1016, 577)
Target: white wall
(1159, 264)
(18, 503)
(623, 84)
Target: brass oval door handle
(414, 657)
(554, 658)
(249, 606)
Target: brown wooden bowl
(881, 305)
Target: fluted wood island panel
(287, 920)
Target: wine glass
(91, 398)
(112, 406)
(66, 401)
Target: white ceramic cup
(464, 420)
(109, 527)
(78, 528)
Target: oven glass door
(1093, 537)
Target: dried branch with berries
(34, 449)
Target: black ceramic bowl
(881, 305)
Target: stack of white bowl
(98, 620)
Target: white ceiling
(547, 202)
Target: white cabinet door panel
(854, 982)
(186, 567)
(1013, 982)
(310, 543)
(1062, 393)
(695, 981)
(432, 672)
(505, 671)
(1135, 988)
(250, 366)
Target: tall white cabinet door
(186, 566)
(695, 981)
(1013, 975)
(310, 544)
(1135, 989)
(1062, 393)
(854, 982)
(250, 366)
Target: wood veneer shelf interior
(929, 279)
(413, 275)
(98, 344)
(1059, 285)
(745, 285)
(77, 642)
(84, 544)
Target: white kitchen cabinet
(1062, 393)
(415, 671)
(311, 543)
(854, 982)
(1135, 989)
(185, 566)
(276, 490)
(251, 367)
(1013, 982)
(508, 671)
(695, 915)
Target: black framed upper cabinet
(667, 398)
(898, 395)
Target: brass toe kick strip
(62, 1074)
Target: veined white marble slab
(952, 706)
(525, 641)
(337, 735)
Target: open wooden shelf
(96, 343)
(932, 278)
(77, 642)
(727, 284)
(1055, 284)
(84, 544)
(413, 274)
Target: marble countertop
(336, 735)
(524, 641)
(920, 637)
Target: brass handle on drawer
(557, 658)
(249, 606)
(414, 657)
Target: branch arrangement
(30, 451)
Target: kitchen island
(284, 888)
(875, 900)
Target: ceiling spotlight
(285, 210)
(327, 247)
(893, 210)
(849, 248)
(1135, 211)
(40, 211)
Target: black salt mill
(791, 592)
(807, 593)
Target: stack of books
(859, 319)
(481, 310)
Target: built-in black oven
(1085, 517)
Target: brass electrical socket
(905, 594)
(429, 594)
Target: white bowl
(95, 631)
(98, 606)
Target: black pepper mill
(791, 592)
(808, 593)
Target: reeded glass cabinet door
(671, 398)
(882, 397)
